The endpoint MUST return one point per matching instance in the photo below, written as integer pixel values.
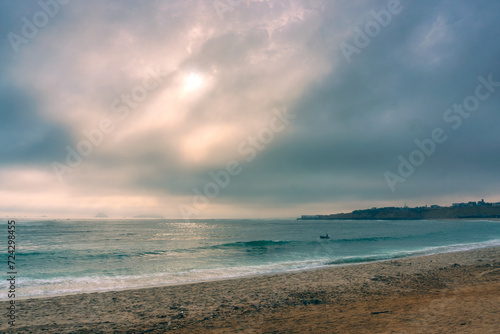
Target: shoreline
(312, 299)
(288, 271)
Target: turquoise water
(67, 256)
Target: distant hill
(479, 209)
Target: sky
(246, 108)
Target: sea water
(70, 256)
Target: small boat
(324, 236)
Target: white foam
(27, 287)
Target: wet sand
(445, 293)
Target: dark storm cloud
(26, 137)
(354, 124)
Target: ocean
(56, 257)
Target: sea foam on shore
(62, 257)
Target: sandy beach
(445, 293)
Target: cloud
(219, 81)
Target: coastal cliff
(458, 210)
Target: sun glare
(192, 82)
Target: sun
(192, 82)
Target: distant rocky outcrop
(149, 216)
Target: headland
(466, 210)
